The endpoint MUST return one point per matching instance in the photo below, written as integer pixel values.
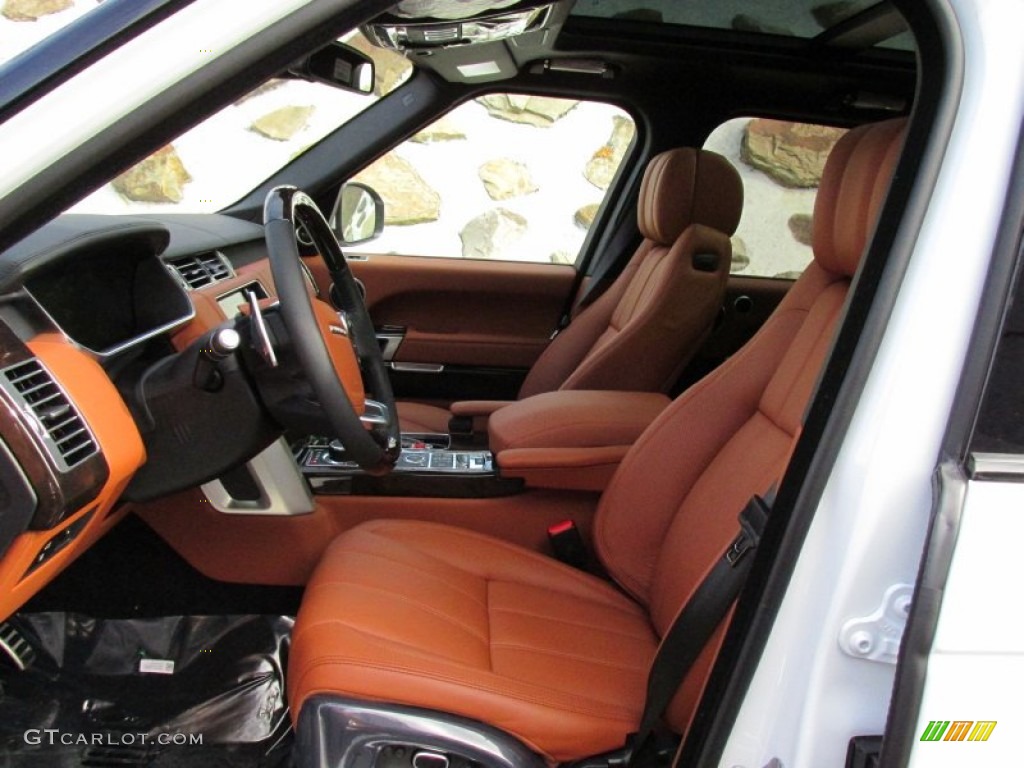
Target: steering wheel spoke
(337, 351)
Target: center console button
(442, 460)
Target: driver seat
(424, 634)
(641, 331)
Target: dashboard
(83, 301)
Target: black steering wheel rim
(376, 448)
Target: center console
(570, 440)
(428, 466)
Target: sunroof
(791, 18)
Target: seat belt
(623, 243)
(695, 624)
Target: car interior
(395, 510)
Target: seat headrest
(853, 186)
(688, 186)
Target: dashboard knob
(224, 342)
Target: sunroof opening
(804, 19)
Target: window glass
(802, 19)
(1000, 424)
(799, 18)
(23, 23)
(220, 160)
(507, 177)
(780, 163)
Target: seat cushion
(443, 618)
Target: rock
(744, 23)
(408, 199)
(282, 124)
(390, 69)
(562, 257)
(160, 178)
(538, 111)
(440, 130)
(801, 225)
(30, 10)
(793, 154)
(829, 14)
(584, 217)
(489, 234)
(602, 166)
(504, 178)
(740, 259)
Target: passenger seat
(426, 625)
(641, 332)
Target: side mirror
(358, 214)
(337, 65)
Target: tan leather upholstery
(423, 418)
(570, 440)
(641, 332)
(429, 614)
(575, 419)
(443, 619)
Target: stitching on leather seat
(561, 620)
(402, 598)
(606, 711)
(431, 574)
(563, 655)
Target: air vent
(64, 433)
(204, 269)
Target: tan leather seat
(443, 619)
(641, 332)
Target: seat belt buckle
(567, 544)
(752, 520)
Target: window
(781, 164)
(506, 177)
(231, 152)
(24, 23)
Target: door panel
(466, 312)
(485, 321)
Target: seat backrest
(641, 332)
(671, 509)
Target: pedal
(16, 647)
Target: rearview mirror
(358, 214)
(338, 65)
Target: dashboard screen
(230, 302)
(105, 298)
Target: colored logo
(958, 730)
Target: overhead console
(405, 34)
(480, 41)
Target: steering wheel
(338, 351)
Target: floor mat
(184, 691)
